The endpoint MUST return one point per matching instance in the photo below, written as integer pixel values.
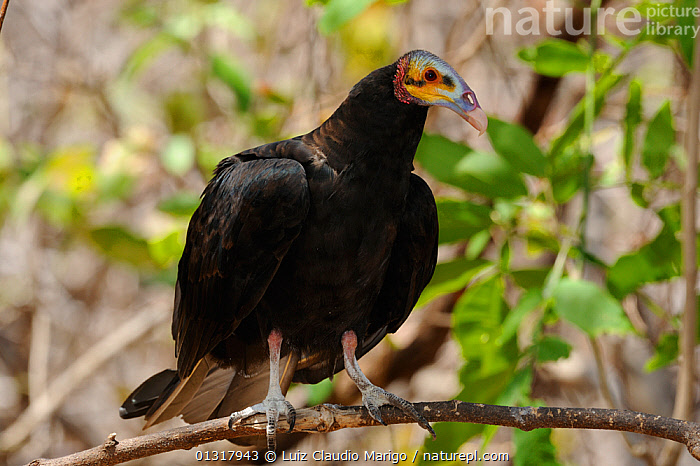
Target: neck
(371, 126)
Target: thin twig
(3, 10)
(685, 387)
(602, 374)
(56, 393)
(328, 418)
(38, 368)
(639, 449)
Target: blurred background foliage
(559, 275)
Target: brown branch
(328, 418)
(3, 11)
(639, 449)
(60, 389)
(685, 388)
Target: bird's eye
(430, 75)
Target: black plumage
(300, 242)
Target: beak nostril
(469, 97)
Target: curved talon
(238, 416)
(271, 408)
(373, 410)
(409, 409)
(372, 396)
(291, 415)
(420, 420)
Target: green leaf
(515, 144)
(488, 374)
(147, 52)
(462, 167)
(7, 156)
(652, 12)
(122, 245)
(226, 68)
(490, 175)
(633, 116)
(530, 278)
(319, 392)
(225, 16)
(490, 366)
(114, 186)
(573, 130)
(178, 155)
(534, 448)
(601, 61)
(182, 204)
(139, 13)
(669, 26)
(527, 303)
(57, 207)
(637, 195)
(505, 212)
(671, 216)
(686, 38)
(568, 163)
(588, 307)
(477, 243)
(451, 276)
(659, 139)
(166, 250)
(665, 353)
(657, 260)
(555, 57)
(537, 241)
(519, 388)
(551, 348)
(504, 256)
(439, 156)
(515, 393)
(183, 25)
(184, 111)
(459, 220)
(567, 177)
(339, 12)
(477, 318)
(72, 171)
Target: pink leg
(274, 402)
(372, 396)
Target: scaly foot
(373, 397)
(271, 407)
(274, 402)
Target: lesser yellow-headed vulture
(305, 253)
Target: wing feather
(250, 214)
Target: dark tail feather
(171, 403)
(164, 395)
(208, 392)
(157, 386)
